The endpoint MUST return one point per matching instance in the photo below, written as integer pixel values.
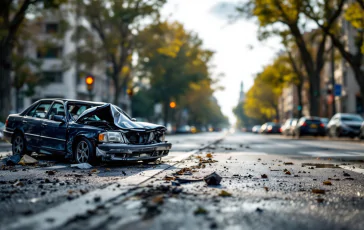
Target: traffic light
(130, 92)
(172, 104)
(90, 82)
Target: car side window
(57, 109)
(40, 111)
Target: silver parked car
(344, 125)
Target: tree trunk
(5, 80)
(314, 80)
(359, 75)
(299, 96)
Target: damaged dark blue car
(84, 132)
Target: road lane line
(64, 212)
(357, 170)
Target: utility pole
(333, 79)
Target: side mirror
(59, 118)
(134, 119)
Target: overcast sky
(239, 55)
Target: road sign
(337, 90)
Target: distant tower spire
(242, 94)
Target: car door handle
(44, 124)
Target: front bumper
(7, 135)
(129, 152)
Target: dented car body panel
(54, 126)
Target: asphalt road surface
(268, 182)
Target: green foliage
(242, 119)
(177, 68)
(116, 22)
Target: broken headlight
(111, 137)
(162, 137)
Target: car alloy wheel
(82, 152)
(18, 145)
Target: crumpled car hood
(110, 113)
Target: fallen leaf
(158, 199)
(266, 189)
(94, 171)
(169, 178)
(320, 200)
(264, 176)
(288, 172)
(285, 170)
(70, 191)
(183, 171)
(318, 191)
(327, 182)
(209, 155)
(223, 193)
(200, 211)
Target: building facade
(66, 78)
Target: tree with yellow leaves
(276, 17)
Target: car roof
(72, 101)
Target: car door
(32, 123)
(53, 133)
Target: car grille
(138, 137)
(355, 127)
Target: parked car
(84, 132)
(309, 126)
(345, 125)
(324, 121)
(270, 128)
(288, 126)
(256, 129)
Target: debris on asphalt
(169, 178)
(94, 171)
(212, 179)
(209, 155)
(346, 174)
(318, 165)
(27, 160)
(158, 199)
(327, 182)
(266, 189)
(288, 163)
(51, 172)
(200, 211)
(318, 191)
(288, 172)
(12, 160)
(224, 193)
(320, 200)
(184, 171)
(82, 166)
(264, 176)
(18, 184)
(184, 180)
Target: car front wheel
(84, 152)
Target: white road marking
(332, 154)
(358, 170)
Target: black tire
(19, 144)
(84, 152)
